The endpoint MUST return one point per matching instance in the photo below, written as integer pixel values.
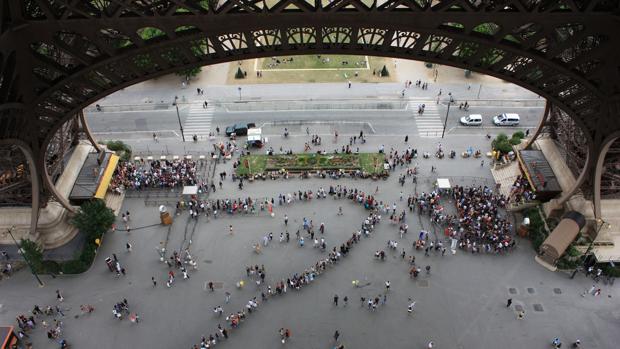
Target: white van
(506, 119)
(472, 120)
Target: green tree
(121, 149)
(502, 144)
(189, 72)
(33, 253)
(94, 218)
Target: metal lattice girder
(57, 56)
(14, 177)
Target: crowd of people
(481, 226)
(50, 319)
(521, 191)
(161, 174)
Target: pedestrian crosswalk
(198, 121)
(429, 123)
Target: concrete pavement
(461, 305)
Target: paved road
(392, 117)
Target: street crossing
(429, 123)
(198, 121)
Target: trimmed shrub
(518, 134)
(50, 267)
(537, 232)
(239, 74)
(384, 71)
(74, 267)
(611, 271)
(514, 141)
(565, 263)
(121, 149)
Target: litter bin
(164, 215)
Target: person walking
(230, 229)
(336, 336)
(411, 306)
(346, 300)
(590, 291)
(59, 296)
(431, 345)
(128, 246)
(508, 302)
(406, 138)
(211, 286)
(336, 300)
(154, 281)
(285, 220)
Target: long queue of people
(295, 281)
(160, 174)
(215, 207)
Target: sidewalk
(414, 70)
(163, 91)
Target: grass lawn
(314, 62)
(371, 163)
(275, 76)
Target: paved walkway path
(429, 123)
(198, 120)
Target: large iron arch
(57, 57)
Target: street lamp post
(179, 117)
(19, 248)
(239, 89)
(445, 123)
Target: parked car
(506, 119)
(472, 120)
(239, 129)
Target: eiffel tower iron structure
(58, 56)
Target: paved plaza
(462, 304)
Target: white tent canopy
(190, 190)
(443, 183)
